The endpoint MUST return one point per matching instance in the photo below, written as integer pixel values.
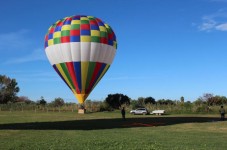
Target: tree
(208, 98)
(141, 102)
(58, 102)
(24, 99)
(198, 102)
(116, 100)
(165, 102)
(149, 100)
(134, 104)
(8, 89)
(182, 99)
(217, 100)
(42, 101)
(220, 100)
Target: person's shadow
(96, 124)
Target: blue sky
(166, 48)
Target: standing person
(123, 113)
(222, 112)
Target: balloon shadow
(98, 124)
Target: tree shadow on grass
(96, 124)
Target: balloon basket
(81, 111)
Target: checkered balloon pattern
(80, 29)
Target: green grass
(106, 130)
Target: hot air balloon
(80, 49)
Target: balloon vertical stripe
(84, 72)
(99, 73)
(90, 73)
(102, 74)
(55, 68)
(63, 75)
(77, 68)
(94, 76)
(64, 67)
(71, 71)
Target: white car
(139, 111)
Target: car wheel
(144, 113)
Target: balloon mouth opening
(81, 97)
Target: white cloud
(14, 40)
(41, 76)
(36, 55)
(218, 1)
(222, 27)
(207, 25)
(128, 78)
(216, 21)
(18, 47)
(30, 75)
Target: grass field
(106, 130)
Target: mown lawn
(106, 130)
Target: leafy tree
(141, 102)
(165, 102)
(116, 100)
(161, 101)
(169, 102)
(24, 99)
(42, 101)
(198, 102)
(217, 100)
(105, 107)
(182, 99)
(58, 102)
(149, 100)
(208, 98)
(220, 100)
(134, 104)
(8, 89)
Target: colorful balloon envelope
(81, 50)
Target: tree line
(9, 89)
